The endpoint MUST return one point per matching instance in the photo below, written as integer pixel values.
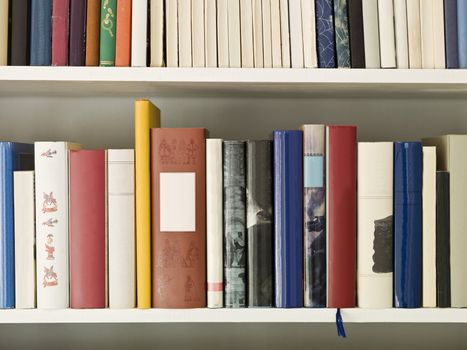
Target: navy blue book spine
(408, 224)
(41, 33)
(450, 33)
(326, 43)
(288, 214)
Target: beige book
(371, 33)
(285, 33)
(235, 58)
(210, 33)
(3, 32)
(276, 34)
(258, 33)
(310, 58)
(171, 16)
(197, 32)
(267, 36)
(414, 33)
(223, 33)
(246, 31)
(157, 25)
(184, 33)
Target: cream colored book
(223, 33)
(235, 58)
(400, 25)
(157, 25)
(276, 34)
(414, 33)
(210, 33)
(184, 33)
(3, 32)
(427, 34)
(139, 24)
(371, 33)
(285, 33)
(387, 45)
(171, 16)
(197, 32)
(258, 33)
(246, 18)
(267, 35)
(296, 33)
(438, 35)
(310, 59)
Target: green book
(108, 32)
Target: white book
(223, 33)
(387, 45)
(246, 16)
(429, 226)
(276, 34)
(197, 32)
(296, 34)
(285, 33)
(139, 24)
(3, 32)
(375, 210)
(171, 16)
(310, 58)
(400, 24)
(235, 59)
(414, 33)
(121, 228)
(214, 222)
(427, 34)
(371, 33)
(52, 254)
(258, 33)
(267, 35)
(25, 265)
(210, 33)
(157, 33)
(184, 33)
(438, 35)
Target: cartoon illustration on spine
(50, 222)
(50, 277)
(49, 153)
(50, 204)
(49, 247)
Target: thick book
(288, 218)
(387, 44)
(223, 33)
(121, 227)
(341, 29)
(450, 33)
(41, 33)
(314, 215)
(4, 29)
(432, 33)
(235, 250)
(171, 32)
(25, 264)
(371, 33)
(443, 264)
(296, 34)
(20, 32)
(178, 173)
(414, 34)
(259, 223)
(246, 31)
(139, 32)
(147, 116)
(77, 33)
(285, 33)
(108, 33)
(52, 218)
(88, 258)
(13, 157)
(400, 28)
(60, 30)
(214, 224)
(408, 169)
(185, 58)
(276, 35)
(123, 43)
(341, 215)
(326, 43)
(310, 59)
(357, 41)
(233, 11)
(374, 222)
(267, 36)
(93, 27)
(210, 33)
(197, 32)
(157, 40)
(462, 34)
(258, 58)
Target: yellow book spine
(147, 116)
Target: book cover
(184, 33)
(450, 33)
(357, 41)
(246, 32)
(78, 33)
(4, 26)
(325, 34)
(314, 215)
(341, 28)
(288, 218)
(178, 217)
(462, 33)
(276, 34)
(427, 33)
(157, 28)
(371, 33)
(400, 27)
(310, 60)
(285, 33)
(414, 34)
(41, 33)
(197, 32)
(233, 11)
(20, 32)
(171, 30)
(267, 35)
(259, 223)
(223, 33)
(139, 32)
(93, 28)
(60, 30)
(108, 33)
(408, 224)
(438, 35)
(258, 34)
(296, 34)
(235, 250)
(210, 33)
(123, 34)
(387, 44)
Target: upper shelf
(104, 81)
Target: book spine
(357, 47)
(93, 16)
(427, 33)
(139, 28)
(60, 25)
(438, 35)
(258, 34)
(462, 33)
(4, 32)
(210, 33)
(341, 28)
(108, 33)
(276, 35)
(184, 33)
(285, 34)
(20, 32)
(41, 33)
(197, 32)
(325, 34)
(407, 224)
(267, 35)
(314, 215)
(414, 34)
(386, 34)
(123, 34)
(450, 32)
(223, 33)
(157, 25)
(310, 60)
(171, 15)
(246, 19)
(296, 34)
(400, 27)
(371, 33)
(288, 214)
(235, 58)
(235, 249)
(78, 33)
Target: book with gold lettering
(108, 33)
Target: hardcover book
(450, 33)
(108, 33)
(20, 32)
(41, 33)
(371, 33)
(432, 28)
(387, 44)
(78, 33)
(341, 29)
(60, 26)
(296, 34)
(325, 34)
(93, 28)
(357, 41)
(157, 26)
(123, 43)
(414, 33)
(400, 27)
(139, 29)
(310, 59)
(462, 33)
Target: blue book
(41, 33)
(288, 214)
(13, 156)
(408, 224)
(450, 33)
(325, 34)
(341, 28)
(462, 33)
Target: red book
(341, 214)
(87, 229)
(60, 15)
(178, 174)
(123, 34)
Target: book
(88, 232)
(223, 33)
(259, 223)
(157, 27)
(408, 224)
(235, 59)
(13, 157)
(20, 32)
(108, 33)
(276, 34)
(400, 27)
(374, 222)
(139, 32)
(25, 264)
(414, 34)
(357, 41)
(197, 32)
(310, 59)
(371, 33)
(296, 34)
(314, 215)
(121, 228)
(60, 32)
(178, 217)
(450, 33)
(4, 10)
(387, 44)
(462, 33)
(432, 28)
(443, 268)
(341, 28)
(210, 33)
(123, 33)
(41, 33)
(258, 59)
(288, 214)
(184, 33)
(51, 162)
(325, 34)
(438, 34)
(77, 33)
(341, 215)
(147, 116)
(171, 30)
(267, 35)
(214, 224)
(93, 27)
(235, 240)
(285, 33)
(246, 31)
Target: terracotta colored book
(178, 217)
(123, 45)
(93, 29)
(60, 25)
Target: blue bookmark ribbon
(340, 324)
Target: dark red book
(341, 148)
(87, 229)
(77, 32)
(60, 15)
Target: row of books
(235, 33)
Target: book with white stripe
(157, 33)
(400, 23)
(387, 45)
(310, 59)
(210, 33)
(171, 16)
(184, 33)
(276, 34)
(235, 59)
(285, 33)
(371, 33)
(139, 24)
(197, 32)
(246, 16)
(414, 33)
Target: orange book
(93, 32)
(123, 44)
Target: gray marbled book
(341, 27)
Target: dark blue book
(450, 33)
(41, 33)
(325, 34)
(13, 156)
(408, 224)
(288, 216)
(462, 33)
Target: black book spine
(259, 223)
(357, 48)
(20, 27)
(443, 256)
